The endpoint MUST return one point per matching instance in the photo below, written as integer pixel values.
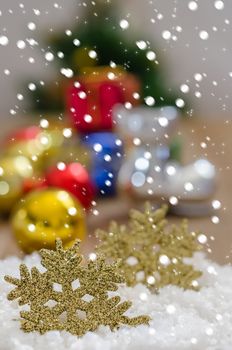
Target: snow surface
(180, 319)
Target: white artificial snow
(179, 319)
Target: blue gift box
(107, 153)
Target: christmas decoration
(46, 145)
(88, 45)
(47, 214)
(73, 178)
(13, 172)
(151, 253)
(90, 101)
(148, 170)
(107, 151)
(32, 142)
(77, 309)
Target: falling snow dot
(151, 280)
(107, 158)
(31, 227)
(21, 44)
(163, 121)
(20, 97)
(164, 260)
(108, 183)
(203, 35)
(141, 44)
(198, 77)
(202, 239)
(184, 88)
(113, 64)
(97, 147)
(68, 32)
(136, 141)
(60, 54)
(36, 12)
(180, 102)
(6, 71)
(92, 54)
(61, 166)
(67, 72)
(216, 204)
(49, 56)
(209, 331)
(192, 5)
(32, 86)
(31, 26)
(151, 56)
(72, 211)
(219, 5)
(67, 132)
(171, 170)
(173, 200)
(12, 112)
(4, 40)
(143, 296)
(188, 186)
(76, 42)
(124, 24)
(128, 105)
(44, 123)
(77, 84)
(111, 75)
(136, 95)
(88, 118)
(166, 35)
(203, 145)
(171, 309)
(82, 95)
(195, 284)
(92, 256)
(215, 220)
(149, 100)
(198, 94)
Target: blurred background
(184, 53)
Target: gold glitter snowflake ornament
(69, 296)
(150, 252)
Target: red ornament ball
(73, 178)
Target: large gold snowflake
(151, 252)
(69, 296)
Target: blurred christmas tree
(98, 39)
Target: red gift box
(90, 101)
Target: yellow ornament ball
(45, 215)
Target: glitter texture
(159, 250)
(76, 310)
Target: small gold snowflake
(150, 252)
